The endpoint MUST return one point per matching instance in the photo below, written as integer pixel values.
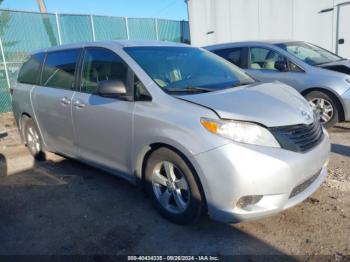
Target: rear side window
(59, 69)
(30, 70)
(233, 55)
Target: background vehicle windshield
(311, 54)
(187, 69)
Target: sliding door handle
(78, 104)
(65, 101)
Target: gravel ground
(64, 207)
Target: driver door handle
(78, 104)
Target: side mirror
(281, 66)
(111, 88)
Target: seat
(270, 64)
(271, 59)
(255, 66)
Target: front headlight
(243, 132)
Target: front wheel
(325, 106)
(172, 186)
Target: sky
(169, 9)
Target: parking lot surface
(63, 207)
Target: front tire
(33, 139)
(171, 183)
(326, 106)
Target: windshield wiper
(242, 84)
(189, 89)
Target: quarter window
(30, 70)
(59, 69)
(140, 91)
(264, 59)
(294, 68)
(99, 65)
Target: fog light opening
(245, 201)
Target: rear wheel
(33, 139)
(325, 106)
(172, 186)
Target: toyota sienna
(196, 131)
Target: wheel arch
(149, 149)
(333, 95)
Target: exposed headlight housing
(239, 131)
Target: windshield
(187, 69)
(311, 54)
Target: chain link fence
(23, 32)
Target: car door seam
(34, 114)
(75, 135)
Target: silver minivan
(196, 131)
(322, 77)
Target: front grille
(298, 138)
(300, 188)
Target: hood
(270, 104)
(342, 66)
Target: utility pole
(42, 6)
(47, 23)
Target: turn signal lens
(211, 126)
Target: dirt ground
(64, 207)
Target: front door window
(264, 59)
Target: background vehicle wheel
(326, 107)
(33, 139)
(172, 186)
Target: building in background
(323, 22)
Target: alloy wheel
(323, 107)
(170, 187)
(33, 140)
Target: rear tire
(171, 183)
(326, 106)
(33, 139)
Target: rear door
(52, 100)
(103, 125)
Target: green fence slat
(142, 29)
(22, 33)
(169, 30)
(75, 28)
(109, 28)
